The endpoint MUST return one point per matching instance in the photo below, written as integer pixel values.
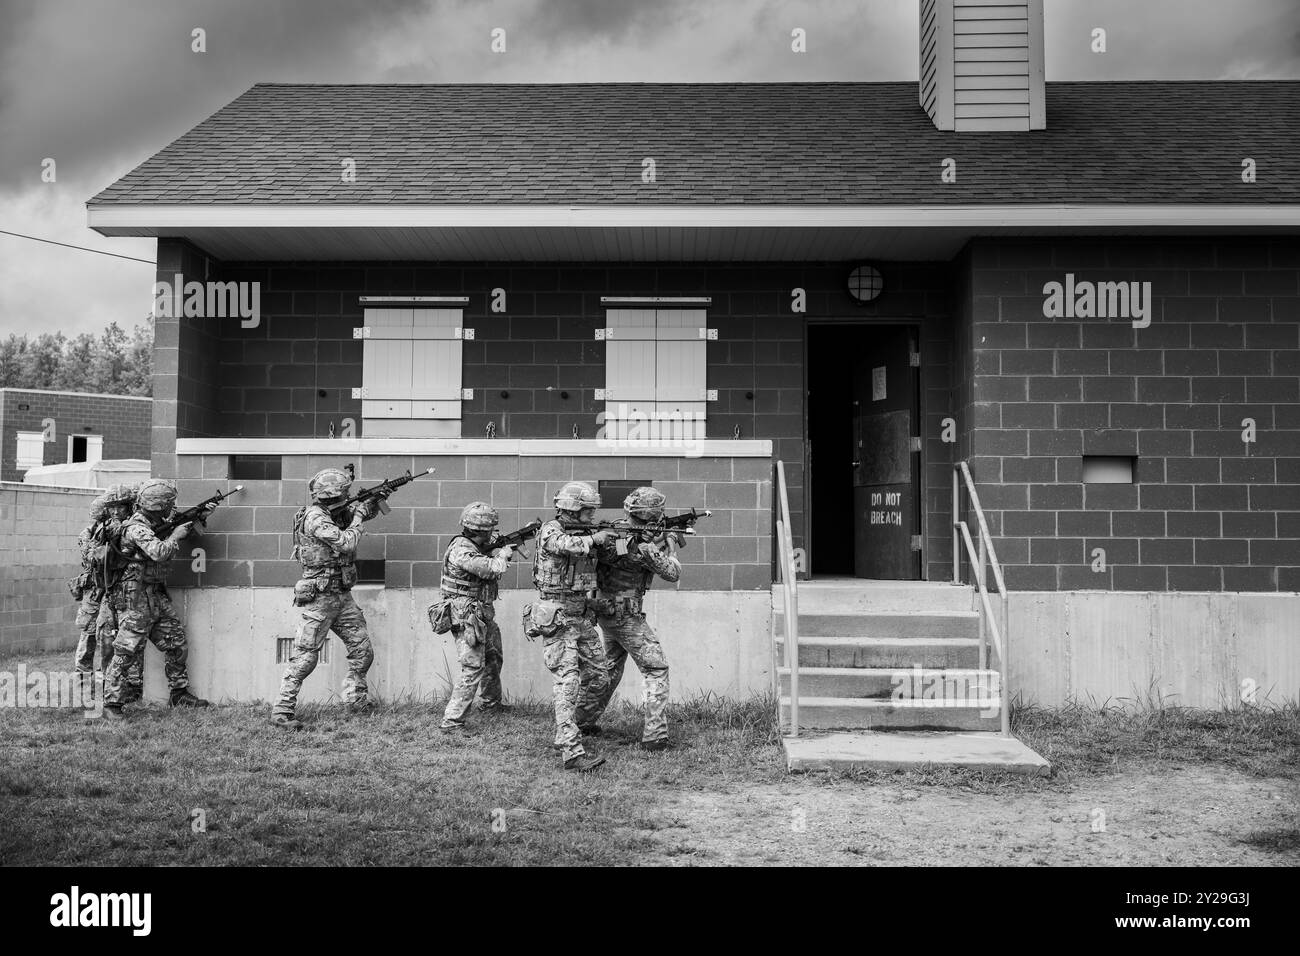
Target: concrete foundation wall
(715, 641)
(1194, 649)
(38, 554)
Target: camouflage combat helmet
(120, 494)
(156, 494)
(479, 516)
(575, 496)
(329, 484)
(645, 504)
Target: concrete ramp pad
(910, 750)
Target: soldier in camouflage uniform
(564, 573)
(623, 579)
(470, 570)
(141, 602)
(96, 625)
(327, 551)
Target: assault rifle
(516, 539)
(199, 513)
(378, 493)
(683, 523)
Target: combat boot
(362, 708)
(460, 729)
(654, 744)
(583, 763)
(496, 709)
(183, 698)
(286, 721)
(591, 731)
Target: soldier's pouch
(440, 616)
(305, 591)
(348, 576)
(541, 619)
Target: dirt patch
(1154, 816)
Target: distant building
(40, 427)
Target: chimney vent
(982, 64)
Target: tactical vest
(626, 574)
(318, 559)
(573, 575)
(139, 566)
(457, 582)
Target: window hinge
(914, 358)
(464, 333)
(914, 443)
(602, 394)
(467, 394)
(359, 393)
(361, 333)
(711, 395)
(916, 542)
(710, 334)
(603, 334)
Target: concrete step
(909, 750)
(885, 682)
(884, 652)
(831, 713)
(910, 625)
(835, 713)
(854, 596)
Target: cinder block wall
(249, 540)
(292, 375)
(123, 421)
(1207, 512)
(38, 554)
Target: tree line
(112, 362)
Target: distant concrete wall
(1199, 649)
(716, 641)
(38, 554)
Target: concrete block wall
(249, 541)
(1207, 511)
(38, 554)
(715, 641)
(122, 420)
(185, 354)
(292, 375)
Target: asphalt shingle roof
(784, 143)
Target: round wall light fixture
(865, 283)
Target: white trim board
(519, 447)
(108, 218)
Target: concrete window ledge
(519, 447)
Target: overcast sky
(100, 85)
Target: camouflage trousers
(97, 627)
(145, 613)
(629, 634)
(336, 611)
(575, 657)
(478, 650)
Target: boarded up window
(411, 373)
(655, 373)
(30, 452)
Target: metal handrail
(785, 566)
(988, 621)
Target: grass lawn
(390, 789)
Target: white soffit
(677, 233)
